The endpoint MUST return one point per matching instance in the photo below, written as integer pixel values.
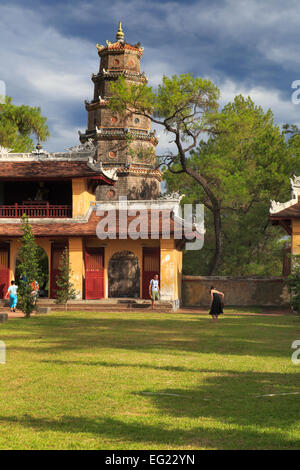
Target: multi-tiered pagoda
(135, 162)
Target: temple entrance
(151, 266)
(43, 278)
(94, 273)
(124, 275)
(4, 269)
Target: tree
(28, 266)
(186, 108)
(18, 124)
(65, 289)
(247, 162)
(294, 283)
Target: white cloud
(44, 66)
(284, 110)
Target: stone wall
(238, 291)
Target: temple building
(287, 215)
(68, 196)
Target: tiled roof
(88, 228)
(30, 170)
(291, 212)
(118, 46)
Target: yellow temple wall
(14, 248)
(295, 237)
(77, 263)
(170, 270)
(81, 197)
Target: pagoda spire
(120, 34)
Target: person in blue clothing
(13, 297)
(154, 291)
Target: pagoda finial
(120, 34)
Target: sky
(47, 52)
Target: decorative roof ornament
(100, 47)
(39, 148)
(4, 151)
(295, 185)
(280, 206)
(102, 100)
(120, 35)
(88, 146)
(171, 196)
(109, 173)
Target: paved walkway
(193, 311)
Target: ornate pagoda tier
(135, 162)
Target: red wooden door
(56, 252)
(4, 271)
(94, 273)
(151, 266)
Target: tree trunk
(216, 210)
(218, 242)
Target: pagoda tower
(133, 159)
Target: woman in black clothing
(217, 302)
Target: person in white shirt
(154, 291)
(13, 298)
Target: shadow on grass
(151, 435)
(231, 336)
(119, 365)
(237, 399)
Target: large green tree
(19, 124)
(243, 163)
(186, 108)
(247, 162)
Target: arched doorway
(43, 277)
(124, 275)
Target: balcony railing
(36, 209)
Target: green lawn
(149, 381)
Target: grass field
(149, 381)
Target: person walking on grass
(13, 298)
(217, 303)
(154, 291)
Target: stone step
(97, 308)
(103, 305)
(136, 303)
(108, 310)
(106, 306)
